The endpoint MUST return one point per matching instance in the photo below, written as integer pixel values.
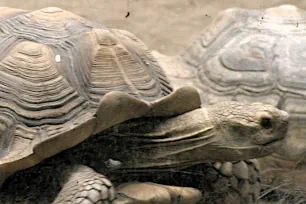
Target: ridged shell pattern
(55, 67)
(254, 55)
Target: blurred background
(164, 25)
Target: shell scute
(56, 74)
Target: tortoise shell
(250, 56)
(64, 78)
(254, 55)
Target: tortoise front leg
(82, 185)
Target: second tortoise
(254, 56)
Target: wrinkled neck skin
(173, 143)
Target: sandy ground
(165, 25)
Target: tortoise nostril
(266, 123)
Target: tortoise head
(247, 130)
(226, 131)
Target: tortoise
(79, 100)
(253, 56)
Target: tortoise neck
(169, 143)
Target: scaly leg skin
(85, 186)
(239, 182)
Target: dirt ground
(164, 25)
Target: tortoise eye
(266, 123)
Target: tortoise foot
(85, 186)
(238, 182)
(224, 183)
(147, 193)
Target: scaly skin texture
(165, 144)
(84, 185)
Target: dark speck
(127, 14)
(297, 24)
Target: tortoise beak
(283, 125)
(281, 129)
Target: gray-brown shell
(64, 78)
(249, 56)
(252, 56)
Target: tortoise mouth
(274, 142)
(270, 147)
